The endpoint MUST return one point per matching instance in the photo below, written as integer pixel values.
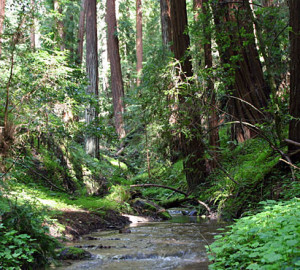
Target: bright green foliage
(15, 249)
(268, 240)
(248, 165)
(24, 239)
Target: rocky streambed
(178, 243)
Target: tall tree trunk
(165, 22)
(60, 25)
(294, 128)
(32, 28)
(81, 30)
(139, 40)
(213, 118)
(91, 114)
(115, 68)
(250, 92)
(191, 146)
(2, 16)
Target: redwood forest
(149, 134)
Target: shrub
(268, 240)
(26, 240)
(16, 249)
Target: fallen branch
(161, 186)
(292, 142)
(42, 176)
(290, 164)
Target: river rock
(73, 253)
(148, 208)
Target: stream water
(175, 244)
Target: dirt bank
(80, 222)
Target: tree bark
(81, 30)
(115, 68)
(250, 92)
(139, 40)
(214, 139)
(32, 28)
(60, 25)
(2, 16)
(191, 146)
(91, 113)
(165, 22)
(294, 126)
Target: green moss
(73, 253)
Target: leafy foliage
(16, 249)
(25, 240)
(267, 240)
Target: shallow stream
(175, 244)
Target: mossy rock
(164, 215)
(148, 208)
(73, 253)
(145, 205)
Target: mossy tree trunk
(294, 128)
(190, 142)
(248, 91)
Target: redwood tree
(213, 114)
(139, 40)
(91, 142)
(249, 91)
(2, 16)
(165, 22)
(115, 67)
(81, 32)
(190, 142)
(32, 28)
(294, 128)
(60, 24)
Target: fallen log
(161, 186)
(176, 190)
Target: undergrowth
(268, 240)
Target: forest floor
(78, 222)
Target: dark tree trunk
(250, 93)
(81, 30)
(191, 146)
(165, 22)
(115, 68)
(139, 40)
(214, 139)
(294, 128)
(2, 16)
(91, 142)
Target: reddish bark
(294, 127)
(139, 40)
(191, 146)
(250, 92)
(115, 68)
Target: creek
(175, 244)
